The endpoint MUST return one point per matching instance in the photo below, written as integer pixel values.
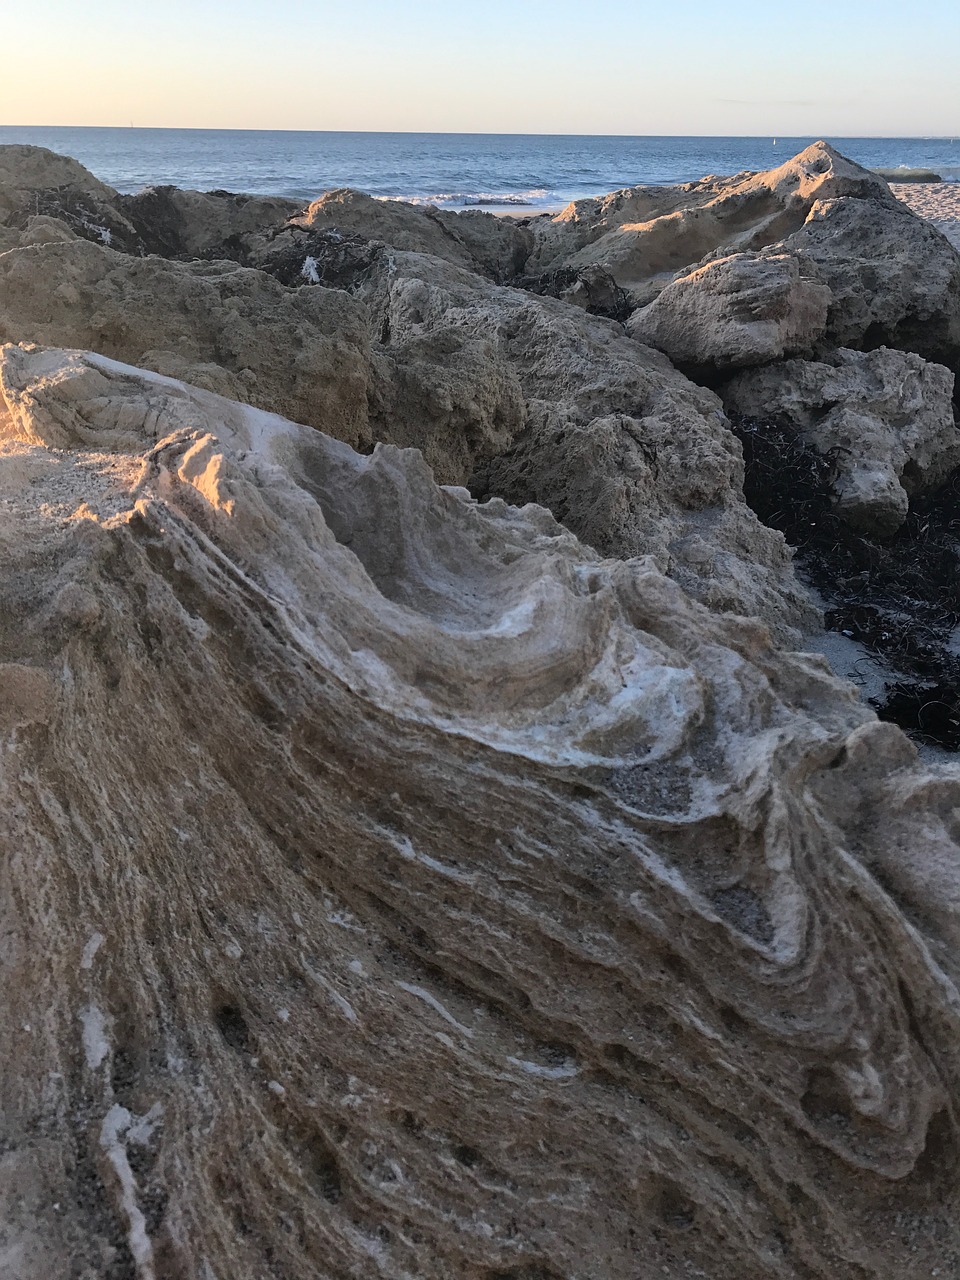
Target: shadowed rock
(884, 417)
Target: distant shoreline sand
(938, 202)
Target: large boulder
(478, 241)
(197, 224)
(36, 182)
(644, 235)
(891, 278)
(735, 312)
(517, 395)
(391, 888)
(884, 417)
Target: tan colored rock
(892, 278)
(628, 453)
(473, 239)
(736, 312)
(644, 235)
(885, 417)
(418, 896)
(235, 331)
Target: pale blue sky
(846, 67)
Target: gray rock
(886, 417)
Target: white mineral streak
(94, 943)
(116, 1124)
(95, 1043)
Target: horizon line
(484, 133)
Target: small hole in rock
(232, 1025)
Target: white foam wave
(477, 199)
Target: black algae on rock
(899, 597)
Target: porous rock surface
(891, 277)
(626, 451)
(232, 330)
(885, 417)
(735, 312)
(391, 888)
(518, 395)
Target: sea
(452, 170)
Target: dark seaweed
(899, 597)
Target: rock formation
(885, 417)
(310, 1003)
(891, 277)
(396, 882)
(744, 310)
(235, 331)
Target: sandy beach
(938, 202)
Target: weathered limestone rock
(892, 278)
(628, 453)
(644, 235)
(419, 897)
(886, 417)
(36, 182)
(477, 241)
(194, 224)
(735, 312)
(523, 396)
(235, 331)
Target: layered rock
(517, 395)
(418, 896)
(628, 453)
(892, 278)
(884, 417)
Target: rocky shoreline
(432, 848)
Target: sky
(744, 67)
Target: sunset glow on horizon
(618, 68)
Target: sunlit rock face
(392, 888)
(885, 275)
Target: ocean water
(451, 170)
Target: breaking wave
(480, 199)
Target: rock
(235, 331)
(477, 241)
(560, 408)
(521, 396)
(735, 312)
(35, 182)
(892, 278)
(419, 896)
(195, 224)
(645, 235)
(886, 417)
